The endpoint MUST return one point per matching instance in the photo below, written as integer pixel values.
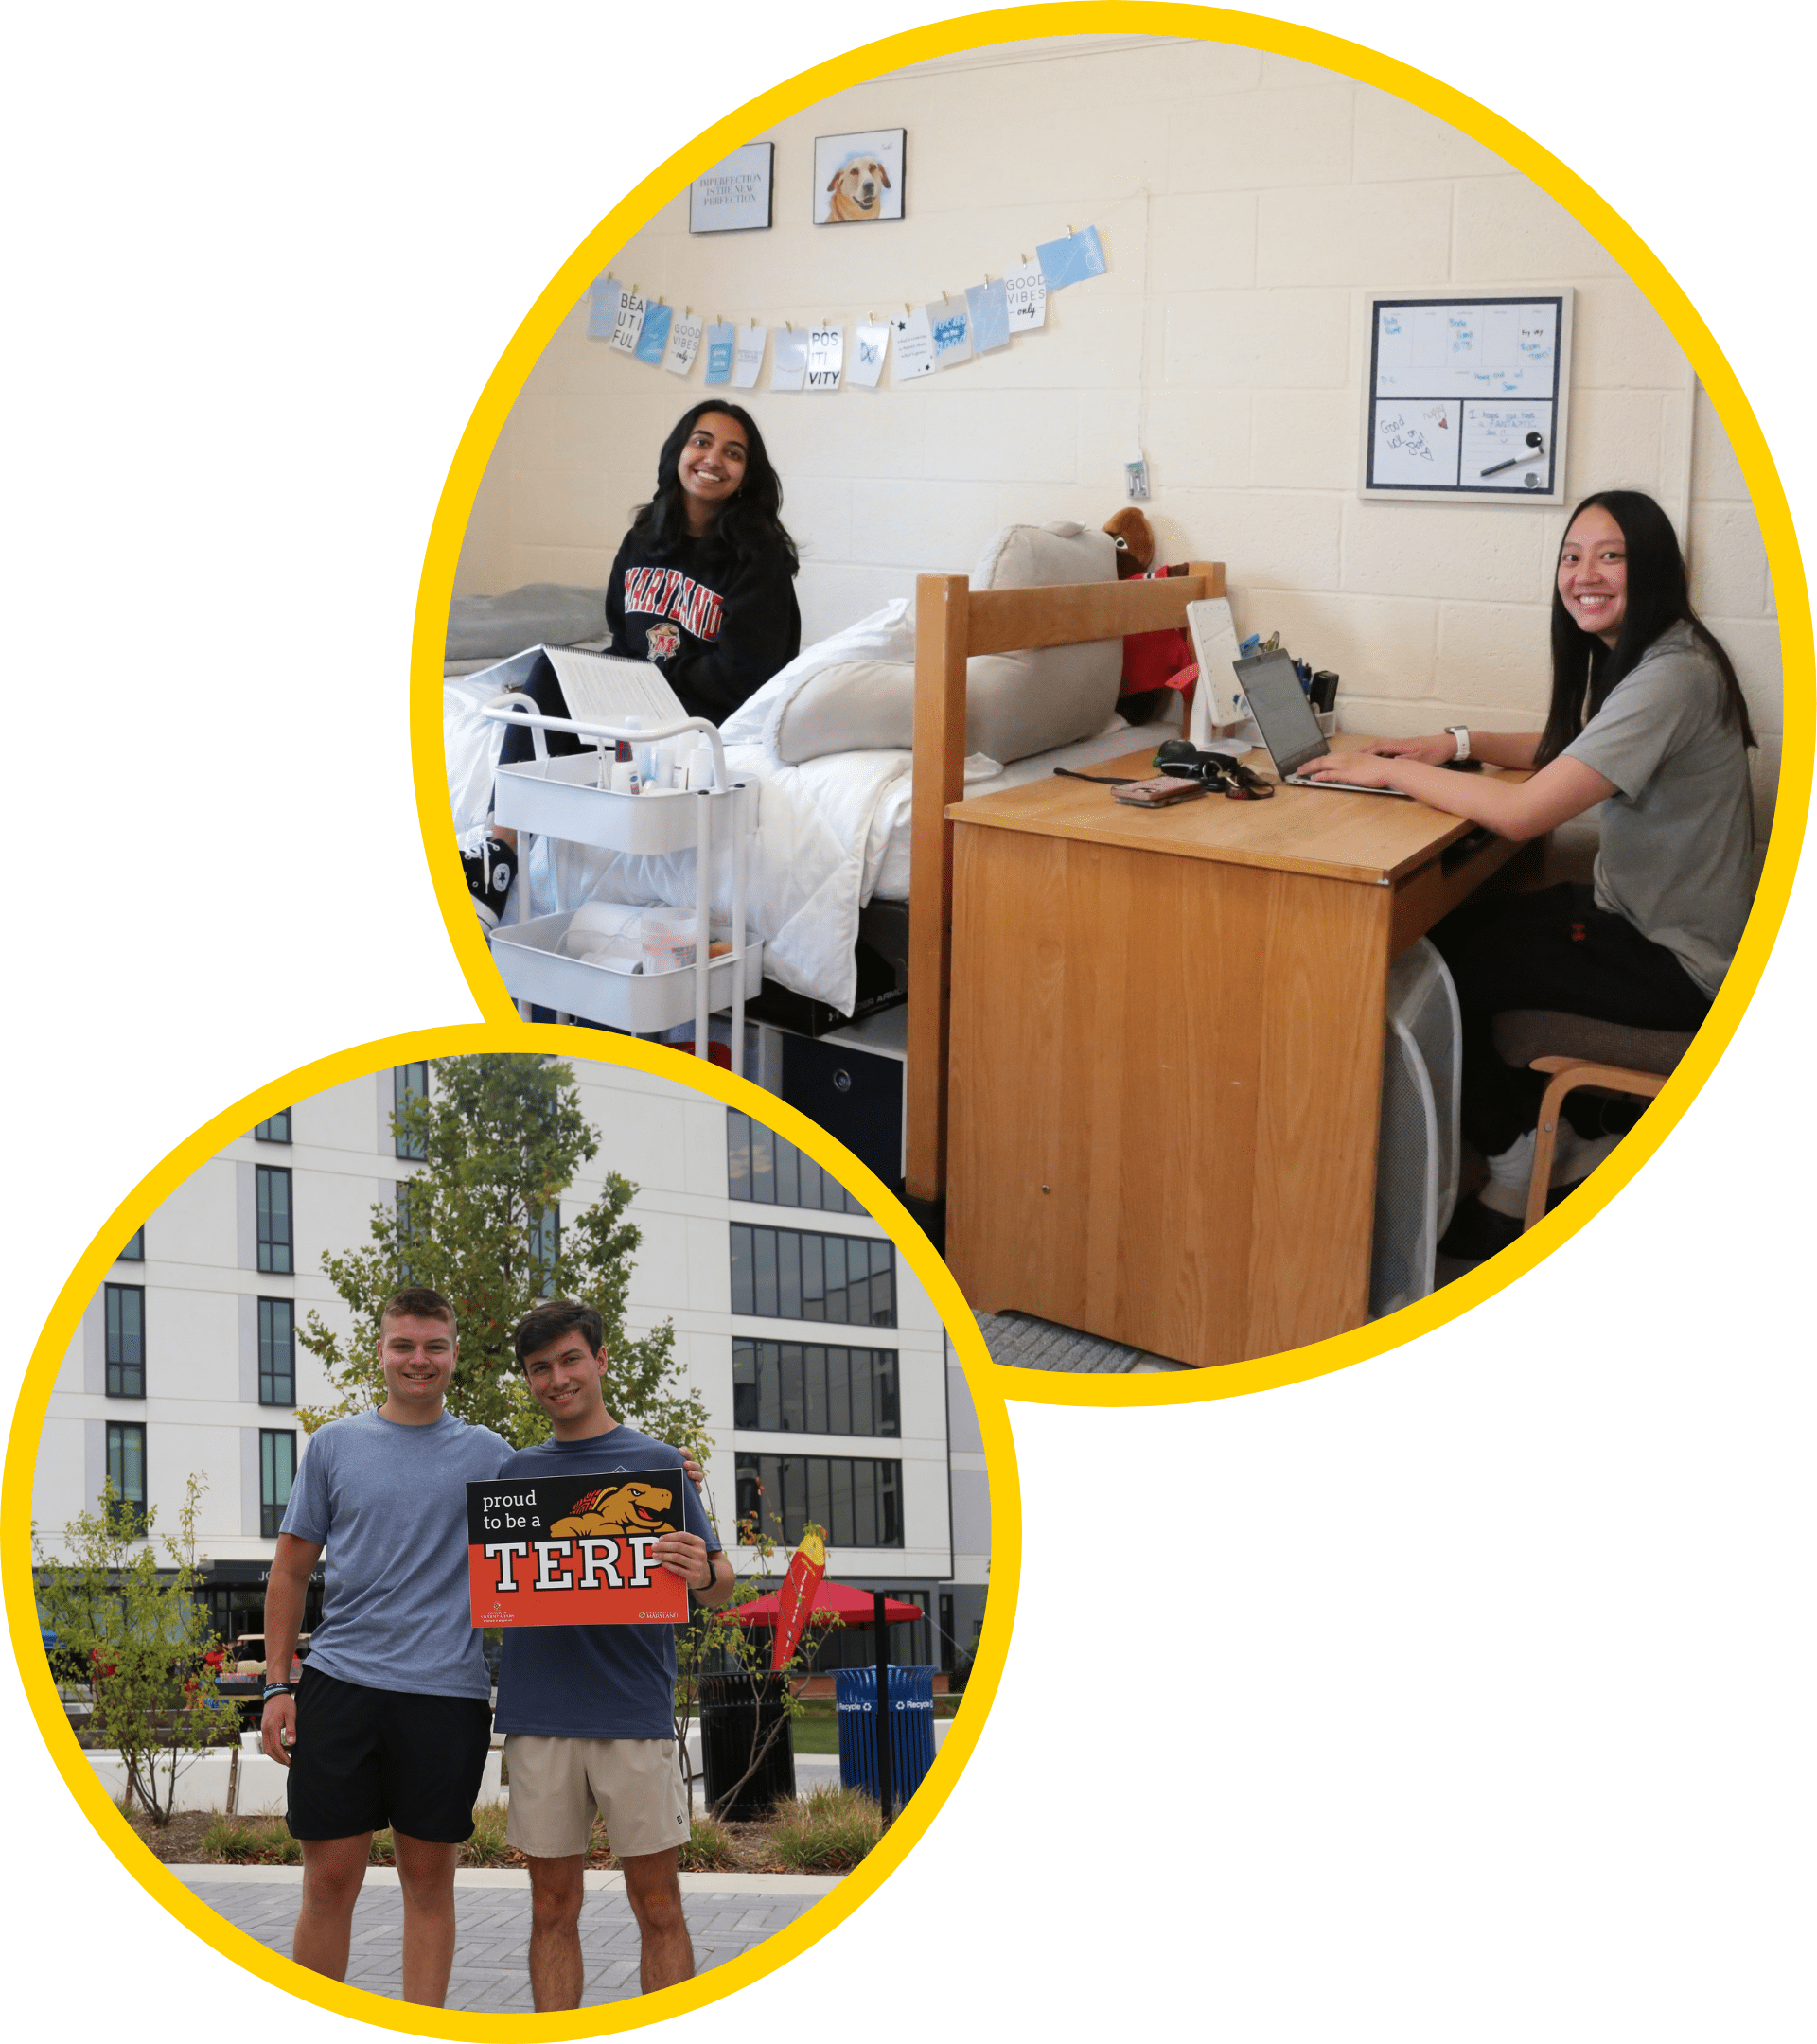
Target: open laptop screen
(1282, 714)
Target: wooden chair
(1581, 1053)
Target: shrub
(709, 1848)
(828, 1832)
(251, 1841)
(486, 1847)
(381, 1852)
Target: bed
(842, 829)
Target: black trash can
(732, 1708)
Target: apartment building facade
(833, 1395)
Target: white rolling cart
(562, 798)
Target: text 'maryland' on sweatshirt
(717, 630)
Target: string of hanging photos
(941, 334)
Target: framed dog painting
(859, 177)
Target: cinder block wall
(1247, 203)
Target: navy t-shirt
(596, 1681)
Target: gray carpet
(1019, 1341)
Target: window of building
(277, 1472)
(788, 1274)
(124, 1310)
(812, 1387)
(126, 1469)
(409, 1082)
(277, 1352)
(858, 1502)
(276, 1130)
(273, 1218)
(545, 1244)
(762, 1165)
(134, 1250)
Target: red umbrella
(852, 1606)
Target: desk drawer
(1431, 892)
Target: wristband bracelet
(277, 1688)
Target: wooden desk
(1167, 1036)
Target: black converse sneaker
(489, 868)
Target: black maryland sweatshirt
(716, 629)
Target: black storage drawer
(855, 1095)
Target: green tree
(714, 1642)
(501, 1134)
(139, 1631)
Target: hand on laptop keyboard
(1355, 769)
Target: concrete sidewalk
(726, 1914)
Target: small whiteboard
(1467, 397)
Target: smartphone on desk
(1160, 793)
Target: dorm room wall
(1246, 204)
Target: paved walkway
(726, 1914)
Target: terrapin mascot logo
(577, 1548)
(664, 641)
(629, 1509)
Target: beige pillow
(1015, 703)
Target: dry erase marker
(1519, 461)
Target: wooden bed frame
(952, 622)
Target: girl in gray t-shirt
(1648, 722)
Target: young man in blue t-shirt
(389, 1724)
(588, 1711)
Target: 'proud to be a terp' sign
(575, 1550)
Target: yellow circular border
(589, 1046)
(1353, 60)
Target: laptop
(1289, 728)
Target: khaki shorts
(557, 1783)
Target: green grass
(816, 1730)
(251, 1841)
(828, 1832)
(709, 1848)
(486, 1847)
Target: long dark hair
(746, 525)
(1659, 596)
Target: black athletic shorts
(366, 1758)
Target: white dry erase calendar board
(1467, 397)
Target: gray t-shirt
(1677, 856)
(389, 1503)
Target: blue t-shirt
(602, 1681)
(389, 1504)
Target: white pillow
(855, 692)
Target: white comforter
(830, 832)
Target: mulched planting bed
(181, 1841)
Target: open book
(598, 688)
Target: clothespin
(1025, 258)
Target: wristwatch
(1460, 733)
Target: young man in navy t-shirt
(588, 1711)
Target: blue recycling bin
(911, 1729)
